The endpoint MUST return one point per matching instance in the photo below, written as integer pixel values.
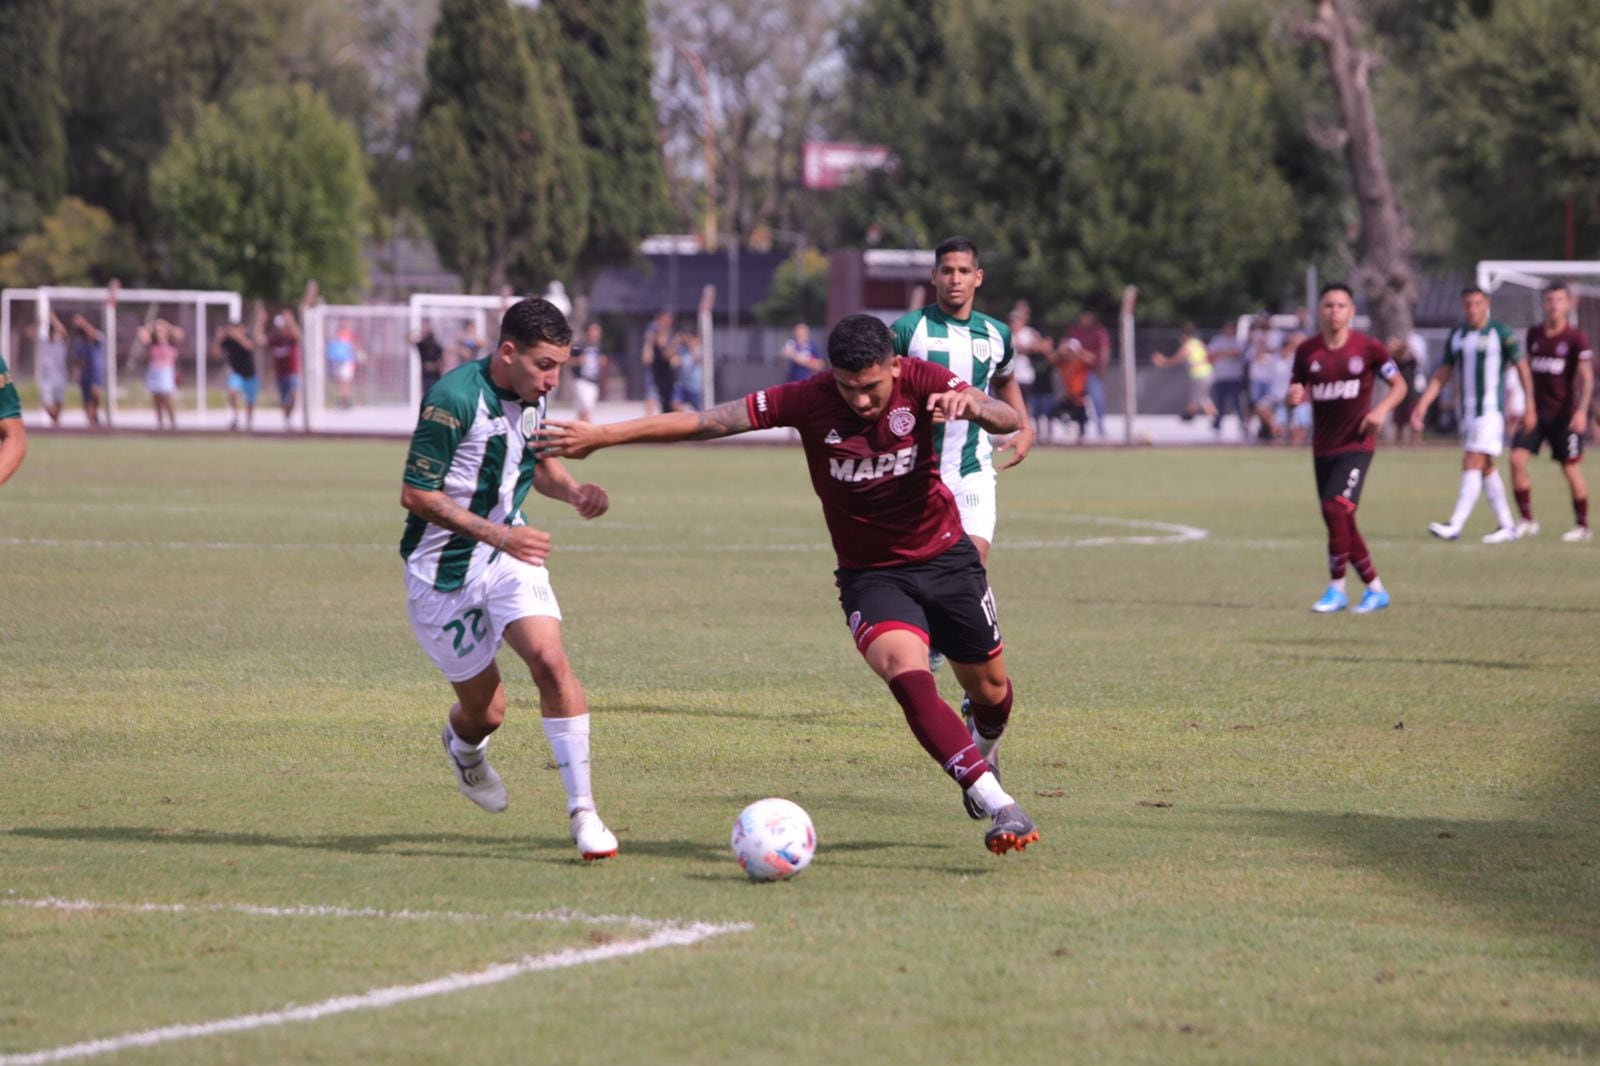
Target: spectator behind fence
(430, 354)
(50, 369)
(469, 345)
(589, 385)
(1299, 418)
(161, 339)
(1405, 360)
(343, 356)
(1227, 377)
(801, 354)
(90, 351)
(282, 340)
(1038, 378)
(1192, 355)
(1095, 344)
(234, 344)
(688, 393)
(660, 364)
(1072, 361)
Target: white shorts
(1485, 435)
(975, 499)
(343, 372)
(587, 393)
(461, 630)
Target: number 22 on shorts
(457, 628)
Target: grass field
(1268, 836)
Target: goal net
(1517, 288)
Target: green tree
(1516, 129)
(799, 291)
(553, 253)
(603, 47)
(78, 244)
(487, 146)
(1034, 128)
(33, 146)
(262, 195)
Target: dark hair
(1470, 289)
(1558, 286)
(955, 244)
(859, 342)
(534, 321)
(1337, 286)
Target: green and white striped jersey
(1480, 358)
(976, 348)
(471, 443)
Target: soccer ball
(773, 839)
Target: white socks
(569, 743)
(1471, 485)
(468, 754)
(988, 794)
(1337, 584)
(1495, 489)
(1376, 584)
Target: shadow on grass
(1427, 660)
(403, 845)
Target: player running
(1562, 367)
(1335, 371)
(475, 573)
(1483, 348)
(907, 573)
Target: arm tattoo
(442, 511)
(997, 417)
(723, 420)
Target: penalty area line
(380, 998)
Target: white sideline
(1158, 533)
(669, 935)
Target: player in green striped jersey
(13, 437)
(1481, 349)
(978, 348)
(475, 569)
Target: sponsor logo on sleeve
(902, 420)
(952, 383)
(761, 401)
(440, 416)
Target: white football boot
(1503, 535)
(1444, 531)
(478, 781)
(1577, 535)
(594, 840)
(1528, 527)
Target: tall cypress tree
(553, 252)
(33, 143)
(603, 47)
(486, 165)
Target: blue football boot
(1332, 600)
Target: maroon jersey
(1340, 383)
(878, 481)
(1554, 359)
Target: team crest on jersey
(980, 350)
(1355, 364)
(1561, 349)
(832, 437)
(530, 422)
(902, 421)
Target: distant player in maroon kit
(1335, 371)
(1563, 385)
(907, 573)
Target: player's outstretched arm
(574, 440)
(970, 405)
(520, 542)
(1436, 382)
(1010, 393)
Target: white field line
(675, 934)
(561, 914)
(1158, 533)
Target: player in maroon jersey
(1563, 384)
(907, 573)
(1335, 371)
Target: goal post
(111, 300)
(1517, 287)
